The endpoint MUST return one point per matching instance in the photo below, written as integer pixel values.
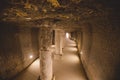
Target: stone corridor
(66, 66)
(59, 39)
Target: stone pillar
(45, 41)
(59, 41)
(63, 39)
(46, 72)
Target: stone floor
(31, 73)
(66, 67)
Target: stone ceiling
(51, 13)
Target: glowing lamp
(67, 35)
(31, 56)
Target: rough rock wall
(77, 37)
(14, 47)
(28, 42)
(101, 50)
(10, 52)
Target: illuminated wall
(16, 46)
(101, 51)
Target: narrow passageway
(68, 66)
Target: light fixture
(31, 56)
(67, 35)
(52, 46)
(81, 52)
(28, 18)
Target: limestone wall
(101, 51)
(16, 44)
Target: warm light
(72, 58)
(52, 46)
(67, 35)
(35, 67)
(31, 56)
(73, 49)
(28, 18)
(81, 52)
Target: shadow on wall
(80, 35)
(12, 54)
(87, 39)
(101, 52)
(117, 72)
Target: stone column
(45, 41)
(63, 39)
(46, 72)
(59, 41)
